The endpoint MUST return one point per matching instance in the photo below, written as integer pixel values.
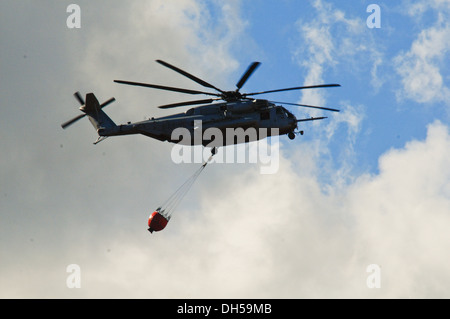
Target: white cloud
(251, 235)
(418, 8)
(57, 180)
(258, 235)
(422, 68)
(329, 39)
(280, 236)
(184, 33)
(277, 236)
(401, 215)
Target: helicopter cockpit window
(288, 114)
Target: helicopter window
(265, 115)
(279, 110)
(288, 114)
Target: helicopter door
(273, 114)
(265, 115)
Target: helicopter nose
(293, 123)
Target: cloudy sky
(367, 186)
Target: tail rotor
(82, 102)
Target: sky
(368, 188)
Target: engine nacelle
(241, 107)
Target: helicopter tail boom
(93, 109)
(96, 116)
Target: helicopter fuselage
(239, 119)
(214, 125)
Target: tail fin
(94, 111)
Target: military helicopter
(238, 110)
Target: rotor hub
(231, 96)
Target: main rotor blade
(70, 122)
(188, 75)
(252, 67)
(295, 88)
(312, 119)
(79, 97)
(168, 88)
(311, 106)
(168, 106)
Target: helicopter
(236, 111)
